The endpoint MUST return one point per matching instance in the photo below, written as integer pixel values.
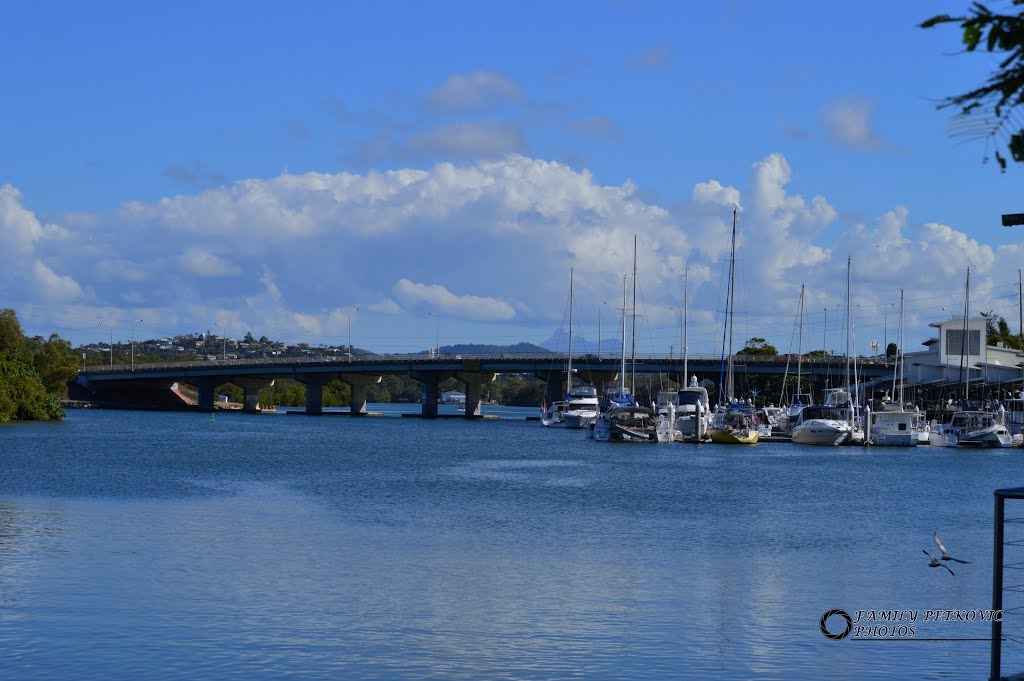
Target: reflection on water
(28, 536)
(167, 545)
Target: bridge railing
(552, 358)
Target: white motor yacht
(980, 429)
(581, 407)
(891, 429)
(823, 425)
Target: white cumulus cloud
(438, 298)
(20, 229)
(54, 286)
(484, 244)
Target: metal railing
(999, 566)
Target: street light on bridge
(110, 348)
(437, 335)
(224, 341)
(350, 349)
(133, 342)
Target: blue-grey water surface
(166, 545)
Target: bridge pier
(474, 383)
(251, 385)
(204, 390)
(314, 391)
(358, 383)
(431, 393)
(430, 399)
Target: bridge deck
(507, 363)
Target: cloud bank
(486, 244)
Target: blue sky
(271, 167)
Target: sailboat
(970, 427)
(788, 415)
(733, 424)
(581, 400)
(693, 406)
(684, 415)
(621, 418)
(579, 408)
(833, 423)
(893, 425)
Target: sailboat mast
(849, 326)
(568, 379)
(686, 283)
(849, 314)
(622, 371)
(731, 312)
(632, 360)
(853, 341)
(800, 342)
(899, 350)
(963, 341)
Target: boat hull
(899, 439)
(578, 420)
(942, 438)
(728, 436)
(625, 425)
(824, 433)
(994, 437)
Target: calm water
(150, 545)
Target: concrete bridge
(148, 384)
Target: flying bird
(935, 563)
(945, 553)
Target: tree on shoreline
(33, 373)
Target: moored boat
(666, 417)
(980, 429)
(580, 406)
(823, 425)
(891, 429)
(623, 420)
(734, 427)
(693, 412)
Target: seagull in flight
(945, 553)
(935, 563)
